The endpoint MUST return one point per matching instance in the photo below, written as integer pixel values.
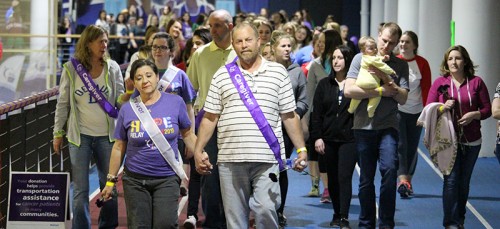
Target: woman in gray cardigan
(90, 90)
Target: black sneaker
(404, 189)
(183, 191)
(335, 222)
(281, 220)
(344, 224)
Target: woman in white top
(102, 21)
(409, 132)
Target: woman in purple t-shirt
(150, 183)
(466, 97)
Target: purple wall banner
(38, 199)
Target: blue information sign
(35, 198)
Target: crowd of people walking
(214, 104)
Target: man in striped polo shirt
(245, 158)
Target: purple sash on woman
(93, 90)
(248, 99)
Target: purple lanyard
(248, 99)
(93, 90)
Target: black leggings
(340, 160)
(194, 191)
(283, 175)
(315, 156)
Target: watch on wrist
(112, 178)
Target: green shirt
(202, 67)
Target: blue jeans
(456, 185)
(409, 136)
(245, 186)
(100, 149)
(381, 146)
(151, 202)
(211, 198)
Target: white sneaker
(190, 222)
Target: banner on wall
(10, 71)
(229, 5)
(38, 200)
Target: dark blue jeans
(211, 198)
(377, 146)
(98, 148)
(409, 136)
(456, 185)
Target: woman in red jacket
(409, 132)
(466, 96)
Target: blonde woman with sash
(147, 131)
(89, 116)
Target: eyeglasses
(161, 47)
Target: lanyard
(458, 91)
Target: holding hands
(203, 165)
(301, 161)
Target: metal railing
(26, 141)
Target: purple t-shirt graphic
(143, 158)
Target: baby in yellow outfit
(366, 80)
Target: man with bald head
(204, 63)
(247, 101)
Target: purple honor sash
(248, 99)
(93, 90)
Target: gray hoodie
(299, 81)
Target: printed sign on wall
(37, 199)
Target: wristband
(129, 92)
(441, 108)
(110, 184)
(300, 150)
(379, 91)
(59, 134)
